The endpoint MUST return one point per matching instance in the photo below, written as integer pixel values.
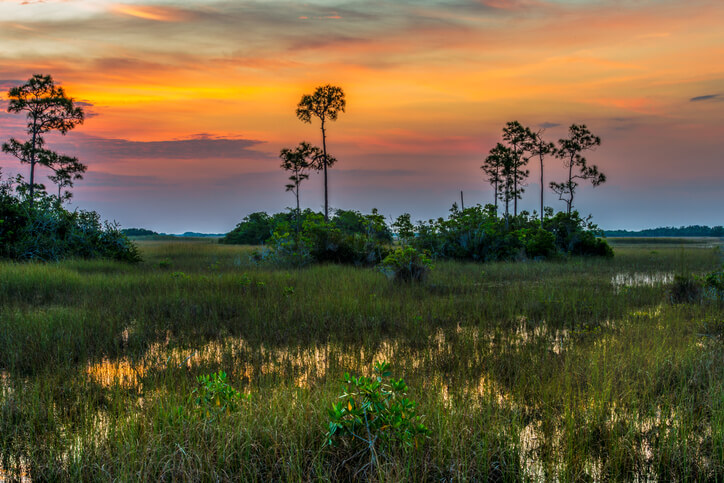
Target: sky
(188, 103)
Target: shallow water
(641, 279)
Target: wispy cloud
(153, 13)
(547, 125)
(708, 97)
(201, 146)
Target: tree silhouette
(516, 135)
(579, 139)
(325, 104)
(47, 109)
(500, 166)
(537, 147)
(68, 169)
(298, 162)
(493, 167)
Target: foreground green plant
(374, 416)
(216, 396)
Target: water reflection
(641, 279)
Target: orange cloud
(158, 14)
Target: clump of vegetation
(692, 289)
(685, 289)
(406, 264)
(255, 229)
(259, 228)
(478, 234)
(47, 231)
(215, 395)
(350, 238)
(374, 416)
(138, 232)
(714, 285)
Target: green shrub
(714, 285)
(49, 232)
(215, 395)
(479, 234)
(685, 289)
(259, 228)
(576, 235)
(406, 264)
(538, 242)
(254, 229)
(374, 416)
(324, 242)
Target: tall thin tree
(47, 108)
(536, 146)
(579, 139)
(500, 165)
(325, 104)
(298, 162)
(492, 167)
(516, 135)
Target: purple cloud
(200, 146)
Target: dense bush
(477, 233)
(48, 232)
(255, 229)
(406, 264)
(692, 289)
(577, 236)
(685, 289)
(320, 241)
(259, 228)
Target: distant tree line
(138, 232)
(143, 232)
(670, 231)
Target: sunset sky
(189, 102)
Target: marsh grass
(524, 371)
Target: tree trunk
(298, 212)
(515, 182)
(32, 162)
(496, 195)
(569, 202)
(326, 190)
(541, 184)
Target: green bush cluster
(479, 234)
(259, 228)
(476, 233)
(692, 289)
(348, 238)
(406, 264)
(49, 232)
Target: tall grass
(524, 371)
